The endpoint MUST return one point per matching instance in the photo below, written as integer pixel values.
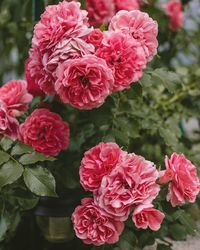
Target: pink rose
(131, 182)
(93, 226)
(95, 37)
(97, 163)
(174, 10)
(184, 183)
(127, 5)
(65, 19)
(8, 124)
(145, 216)
(14, 94)
(84, 83)
(139, 25)
(45, 132)
(125, 56)
(42, 66)
(100, 11)
(32, 86)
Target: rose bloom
(184, 183)
(145, 216)
(125, 56)
(132, 182)
(41, 67)
(65, 19)
(85, 82)
(95, 37)
(93, 226)
(100, 11)
(127, 5)
(45, 132)
(8, 124)
(98, 162)
(174, 10)
(14, 94)
(139, 25)
(32, 86)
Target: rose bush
(128, 84)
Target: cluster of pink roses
(83, 65)
(174, 10)
(123, 183)
(43, 130)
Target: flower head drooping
(145, 216)
(184, 184)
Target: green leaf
(177, 232)
(3, 227)
(6, 143)
(163, 247)
(20, 149)
(34, 157)
(4, 157)
(10, 172)
(127, 240)
(40, 181)
(188, 222)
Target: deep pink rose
(95, 37)
(14, 94)
(65, 19)
(45, 132)
(127, 5)
(93, 226)
(85, 82)
(184, 183)
(8, 125)
(131, 182)
(145, 216)
(125, 56)
(32, 86)
(100, 11)
(174, 10)
(139, 25)
(98, 162)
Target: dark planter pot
(53, 216)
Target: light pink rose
(184, 183)
(93, 226)
(131, 182)
(95, 37)
(127, 5)
(125, 56)
(64, 20)
(98, 162)
(174, 10)
(41, 68)
(145, 216)
(8, 125)
(100, 11)
(45, 132)
(14, 94)
(139, 25)
(85, 82)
